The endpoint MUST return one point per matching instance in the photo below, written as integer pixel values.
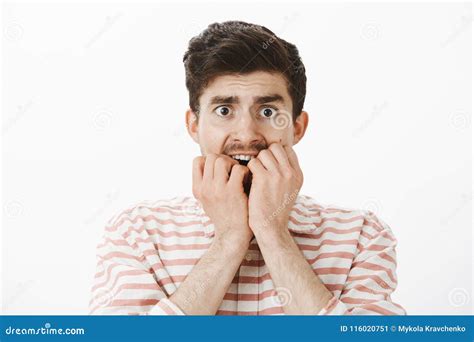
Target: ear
(192, 125)
(300, 126)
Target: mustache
(252, 147)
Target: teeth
(242, 157)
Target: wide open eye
(268, 112)
(223, 111)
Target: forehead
(247, 86)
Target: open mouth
(242, 159)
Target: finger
(280, 154)
(292, 157)
(237, 176)
(268, 160)
(209, 167)
(222, 167)
(256, 167)
(198, 169)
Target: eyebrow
(235, 99)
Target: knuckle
(211, 157)
(287, 174)
(220, 162)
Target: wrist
(273, 237)
(231, 244)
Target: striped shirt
(147, 251)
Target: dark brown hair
(238, 47)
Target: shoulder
(339, 219)
(152, 212)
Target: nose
(246, 130)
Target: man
(247, 243)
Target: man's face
(243, 114)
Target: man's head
(246, 89)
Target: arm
(218, 184)
(122, 268)
(371, 278)
(125, 283)
(370, 282)
(204, 288)
(277, 169)
(290, 271)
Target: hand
(276, 181)
(218, 185)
